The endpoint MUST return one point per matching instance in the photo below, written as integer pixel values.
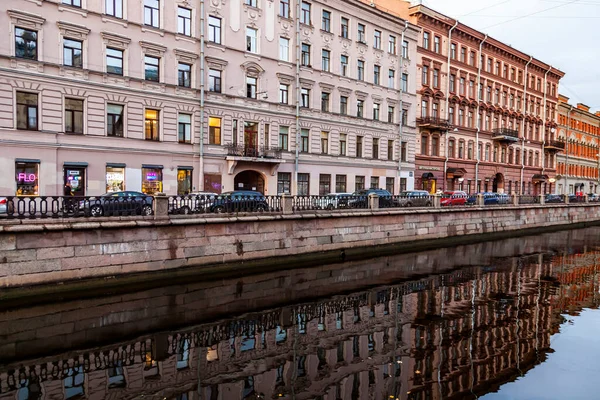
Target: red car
(454, 198)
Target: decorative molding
(152, 48)
(216, 63)
(25, 19)
(285, 79)
(115, 40)
(73, 30)
(252, 69)
(186, 56)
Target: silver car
(415, 198)
(332, 201)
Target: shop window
(184, 181)
(152, 180)
(27, 178)
(115, 178)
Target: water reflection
(453, 335)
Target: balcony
(255, 154)
(505, 135)
(433, 123)
(554, 146)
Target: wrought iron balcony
(238, 150)
(505, 135)
(434, 123)
(555, 146)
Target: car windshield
(446, 195)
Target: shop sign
(427, 168)
(24, 177)
(151, 176)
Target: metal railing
(513, 133)
(434, 121)
(555, 144)
(329, 202)
(219, 204)
(253, 151)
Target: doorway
(250, 139)
(249, 180)
(75, 175)
(498, 184)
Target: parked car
(195, 202)
(238, 201)
(553, 198)
(573, 198)
(360, 198)
(332, 201)
(117, 203)
(488, 198)
(593, 197)
(419, 198)
(503, 198)
(3, 205)
(453, 198)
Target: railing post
(374, 201)
(515, 199)
(586, 198)
(287, 204)
(542, 199)
(566, 199)
(161, 206)
(480, 201)
(437, 201)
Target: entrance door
(498, 184)
(77, 178)
(250, 139)
(249, 180)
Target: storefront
(74, 172)
(115, 177)
(429, 182)
(152, 179)
(27, 174)
(184, 180)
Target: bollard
(161, 206)
(287, 204)
(515, 199)
(480, 201)
(566, 199)
(374, 201)
(542, 199)
(437, 201)
(586, 198)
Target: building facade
(303, 98)
(579, 165)
(487, 111)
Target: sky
(563, 33)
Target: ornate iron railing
(253, 151)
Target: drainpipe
(526, 80)
(480, 98)
(447, 98)
(298, 55)
(544, 121)
(201, 175)
(400, 126)
(567, 150)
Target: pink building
(108, 94)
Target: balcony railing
(434, 122)
(555, 145)
(253, 151)
(505, 134)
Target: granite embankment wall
(39, 252)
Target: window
(340, 183)
(461, 117)
(284, 133)
(343, 65)
(114, 8)
(72, 55)
(424, 108)
(151, 13)
(505, 71)
(343, 105)
(343, 141)
(184, 21)
(461, 149)
(325, 102)
(184, 128)
(359, 183)
(453, 51)
(305, 59)
(214, 80)
(73, 116)
(377, 39)
(435, 146)
(362, 38)
(284, 8)
(451, 148)
(405, 82)
(283, 93)
(251, 40)
(324, 142)
(344, 28)
(251, 3)
(25, 44)
(284, 49)
(470, 151)
(151, 124)
(376, 74)
(326, 21)
(360, 108)
(375, 148)
(391, 78)
(303, 184)
(461, 87)
(391, 112)
(361, 70)
(405, 49)
(214, 29)
(114, 120)
(305, 13)
(27, 111)
(359, 145)
(305, 98)
(436, 78)
(451, 114)
(436, 44)
(425, 75)
(304, 140)
(325, 60)
(472, 58)
(374, 182)
(214, 130)
(151, 68)
(390, 150)
(434, 110)
(392, 45)
(376, 109)
(452, 83)
(184, 75)
(489, 64)
(497, 68)
(284, 182)
(426, 40)
(424, 144)
(251, 83)
(74, 3)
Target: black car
(239, 201)
(553, 198)
(360, 198)
(118, 203)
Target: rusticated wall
(63, 251)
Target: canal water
(511, 319)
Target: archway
(498, 184)
(249, 180)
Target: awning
(152, 166)
(27, 160)
(455, 172)
(185, 167)
(539, 178)
(427, 175)
(75, 164)
(115, 165)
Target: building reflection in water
(457, 335)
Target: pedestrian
(68, 193)
(68, 189)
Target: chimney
(583, 107)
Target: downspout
(526, 80)
(567, 150)
(544, 121)
(479, 100)
(447, 98)
(201, 175)
(400, 125)
(298, 55)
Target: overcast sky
(563, 33)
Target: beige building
(107, 94)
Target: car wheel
(185, 210)
(408, 204)
(146, 210)
(330, 206)
(96, 211)
(219, 209)
(261, 208)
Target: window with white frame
(305, 98)
(184, 128)
(114, 8)
(74, 3)
(184, 21)
(392, 45)
(114, 61)
(214, 29)
(72, 53)
(343, 65)
(325, 60)
(251, 40)
(284, 93)
(284, 8)
(184, 75)
(377, 39)
(214, 80)
(305, 13)
(284, 49)
(251, 86)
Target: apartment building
(579, 165)
(179, 96)
(487, 118)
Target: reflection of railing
(253, 151)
